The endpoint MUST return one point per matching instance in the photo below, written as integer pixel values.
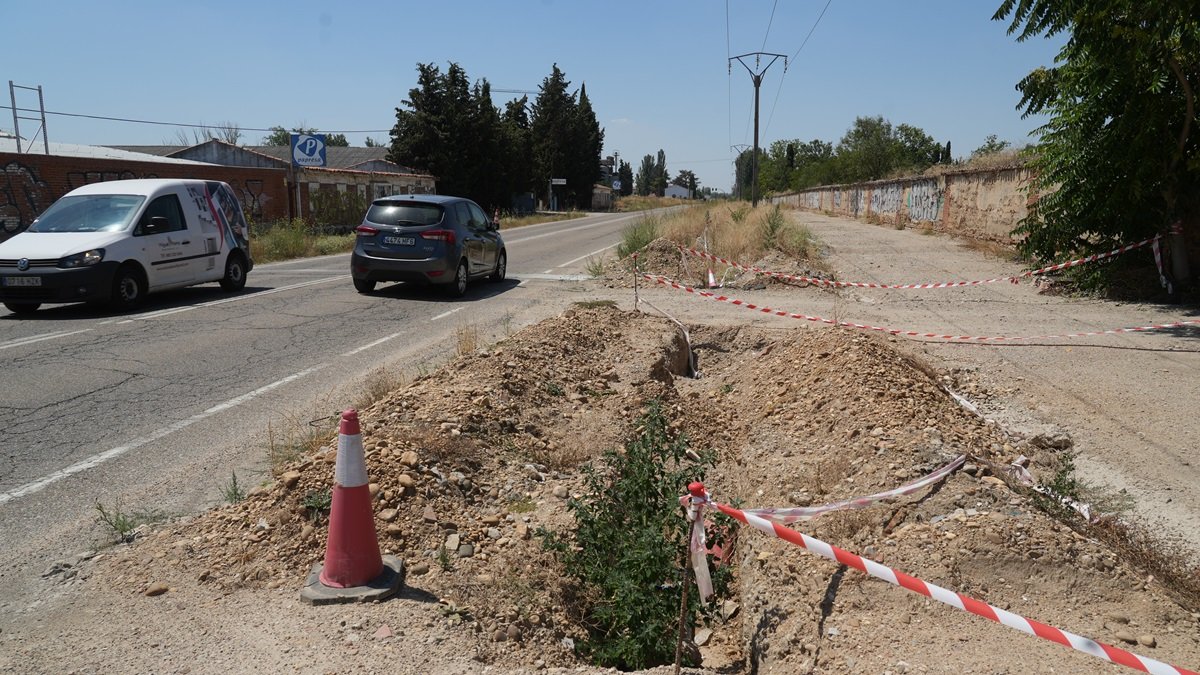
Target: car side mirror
(156, 224)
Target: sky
(658, 73)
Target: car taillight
(440, 235)
(366, 231)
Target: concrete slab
(381, 587)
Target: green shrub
(628, 546)
(636, 235)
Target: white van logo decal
(23, 264)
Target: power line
(769, 22)
(729, 79)
(806, 37)
(183, 124)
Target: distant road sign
(558, 181)
(616, 185)
(308, 149)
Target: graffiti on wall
(76, 179)
(812, 200)
(858, 201)
(886, 198)
(21, 197)
(924, 201)
(250, 194)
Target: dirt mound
(469, 461)
(662, 257)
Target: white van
(114, 242)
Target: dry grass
(294, 437)
(1173, 565)
(735, 231)
(379, 383)
(509, 221)
(635, 203)
(466, 339)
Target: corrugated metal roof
(89, 151)
(335, 157)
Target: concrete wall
(29, 183)
(981, 204)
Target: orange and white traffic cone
(352, 556)
(712, 280)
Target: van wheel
(128, 289)
(458, 288)
(501, 267)
(364, 286)
(235, 273)
(22, 307)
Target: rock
(395, 530)
(306, 532)
(992, 480)
(419, 569)
(428, 515)
(1117, 617)
(156, 588)
(560, 491)
(493, 533)
(373, 489)
(493, 519)
(466, 550)
(499, 636)
(1147, 640)
(522, 530)
(384, 631)
(410, 459)
(289, 479)
(388, 515)
(729, 609)
(257, 491)
(452, 542)
(406, 481)
(513, 632)
(1126, 636)
(702, 636)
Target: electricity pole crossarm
(756, 75)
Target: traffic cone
(712, 280)
(352, 555)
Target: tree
(868, 151)
(645, 176)
(587, 142)
(436, 130)
(687, 180)
(551, 128)
(991, 145)
(918, 151)
(280, 137)
(372, 143)
(1119, 158)
(229, 132)
(658, 183)
(625, 174)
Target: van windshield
(89, 213)
(404, 213)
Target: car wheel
(22, 307)
(459, 287)
(235, 273)
(364, 286)
(128, 288)
(501, 267)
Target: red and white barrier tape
(793, 514)
(699, 499)
(908, 333)
(947, 284)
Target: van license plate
(400, 241)
(22, 281)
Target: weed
(378, 384)
(635, 236)
(507, 323)
(443, 558)
(122, 524)
(628, 542)
(772, 227)
(727, 388)
(295, 439)
(467, 339)
(554, 389)
(288, 239)
(523, 505)
(317, 503)
(596, 304)
(739, 214)
(231, 492)
(595, 267)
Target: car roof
(140, 186)
(429, 199)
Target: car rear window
(404, 213)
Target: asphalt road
(157, 408)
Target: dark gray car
(432, 239)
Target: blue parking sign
(308, 149)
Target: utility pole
(756, 75)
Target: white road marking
(559, 233)
(213, 303)
(445, 314)
(548, 271)
(98, 459)
(367, 346)
(20, 342)
(596, 252)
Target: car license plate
(22, 281)
(400, 241)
